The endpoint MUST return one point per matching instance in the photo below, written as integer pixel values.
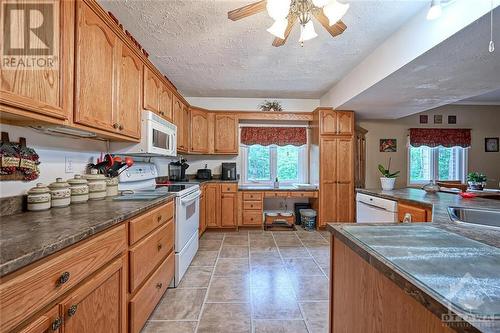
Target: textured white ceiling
(490, 98)
(205, 54)
(459, 68)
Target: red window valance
(434, 137)
(281, 136)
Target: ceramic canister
(60, 193)
(39, 198)
(111, 187)
(97, 185)
(79, 189)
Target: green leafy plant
(476, 177)
(271, 106)
(386, 172)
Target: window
(440, 163)
(262, 164)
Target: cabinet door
(228, 210)
(345, 180)
(226, 134)
(203, 219)
(152, 89)
(96, 49)
(199, 131)
(166, 103)
(328, 122)
(328, 180)
(186, 121)
(178, 121)
(129, 102)
(345, 122)
(49, 322)
(49, 90)
(212, 207)
(98, 305)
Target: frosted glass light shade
(320, 3)
(435, 10)
(335, 11)
(307, 32)
(278, 9)
(278, 28)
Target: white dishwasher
(371, 209)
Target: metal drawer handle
(56, 324)
(159, 285)
(159, 247)
(63, 279)
(159, 218)
(72, 310)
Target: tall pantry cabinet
(332, 164)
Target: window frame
(434, 161)
(303, 165)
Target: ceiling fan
(286, 12)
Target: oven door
(162, 139)
(187, 218)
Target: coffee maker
(228, 171)
(177, 170)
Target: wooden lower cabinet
(212, 208)
(203, 211)
(221, 205)
(98, 306)
(48, 322)
(228, 210)
(411, 213)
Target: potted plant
(389, 178)
(476, 181)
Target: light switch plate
(68, 165)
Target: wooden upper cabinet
(178, 120)
(96, 70)
(186, 128)
(345, 122)
(226, 134)
(199, 131)
(152, 91)
(47, 91)
(328, 122)
(129, 93)
(165, 103)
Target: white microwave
(158, 138)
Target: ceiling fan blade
(247, 10)
(335, 29)
(278, 41)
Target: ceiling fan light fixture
(335, 11)
(278, 9)
(307, 32)
(320, 3)
(435, 10)
(278, 28)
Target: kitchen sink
(485, 217)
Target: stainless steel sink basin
(485, 217)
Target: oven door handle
(187, 200)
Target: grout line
(314, 259)
(250, 289)
(209, 285)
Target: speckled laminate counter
(271, 188)
(30, 236)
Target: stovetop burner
(171, 188)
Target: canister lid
(59, 183)
(40, 188)
(77, 180)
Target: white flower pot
(387, 183)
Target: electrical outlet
(68, 165)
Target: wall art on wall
(491, 145)
(438, 119)
(388, 145)
(452, 120)
(424, 119)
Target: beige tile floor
(250, 281)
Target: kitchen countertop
(426, 259)
(440, 269)
(29, 236)
(271, 188)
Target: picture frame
(388, 145)
(424, 119)
(438, 119)
(491, 145)
(452, 119)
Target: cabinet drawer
(149, 252)
(50, 321)
(252, 217)
(417, 214)
(309, 194)
(144, 224)
(25, 293)
(256, 196)
(144, 302)
(228, 188)
(276, 194)
(252, 205)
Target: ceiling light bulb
(278, 9)
(335, 11)
(307, 32)
(278, 28)
(435, 10)
(320, 3)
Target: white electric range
(139, 183)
